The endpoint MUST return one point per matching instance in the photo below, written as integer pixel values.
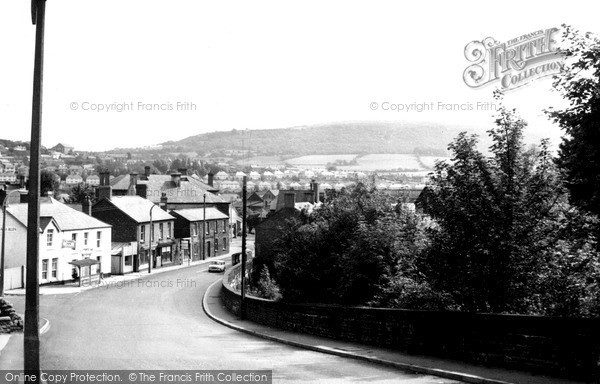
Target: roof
(139, 208)
(66, 218)
(84, 262)
(64, 145)
(190, 190)
(197, 214)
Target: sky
(178, 68)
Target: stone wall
(564, 347)
(9, 320)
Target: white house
(93, 180)
(74, 179)
(66, 235)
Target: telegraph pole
(32, 334)
(243, 280)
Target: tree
(82, 192)
(161, 166)
(579, 156)
(348, 249)
(49, 182)
(500, 223)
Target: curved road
(157, 322)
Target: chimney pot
(176, 178)
(163, 201)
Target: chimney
(133, 177)
(210, 178)
(289, 200)
(163, 201)
(315, 190)
(86, 206)
(176, 179)
(147, 172)
(183, 171)
(24, 196)
(104, 190)
(309, 197)
(142, 190)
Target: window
(169, 230)
(49, 237)
(224, 226)
(216, 246)
(160, 230)
(128, 260)
(143, 233)
(98, 238)
(74, 238)
(85, 238)
(224, 243)
(45, 269)
(54, 267)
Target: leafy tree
(49, 182)
(498, 222)
(579, 156)
(161, 165)
(81, 192)
(348, 250)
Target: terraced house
(66, 236)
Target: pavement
(449, 369)
(69, 288)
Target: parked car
(216, 266)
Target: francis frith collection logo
(514, 63)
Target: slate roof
(197, 214)
(66, 218)
(138, 208)
(191, 190)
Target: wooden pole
(243, 279)
(32, 334)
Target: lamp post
(151, 241)
(4, 203)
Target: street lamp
(4, 202)
(151, 240)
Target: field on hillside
(375, 162)
(318, 160)
(429, 161)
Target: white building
(66, 235)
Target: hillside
(324, 139)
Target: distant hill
(324, 139)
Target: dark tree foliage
(82, 192)
(504, 228)
(579, 156)
(347, 251)
(49, 182)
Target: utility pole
(243, 280)
(203, 248)
(32, 334)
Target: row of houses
(157, 220)
(289, 173)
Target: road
(157, 322)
